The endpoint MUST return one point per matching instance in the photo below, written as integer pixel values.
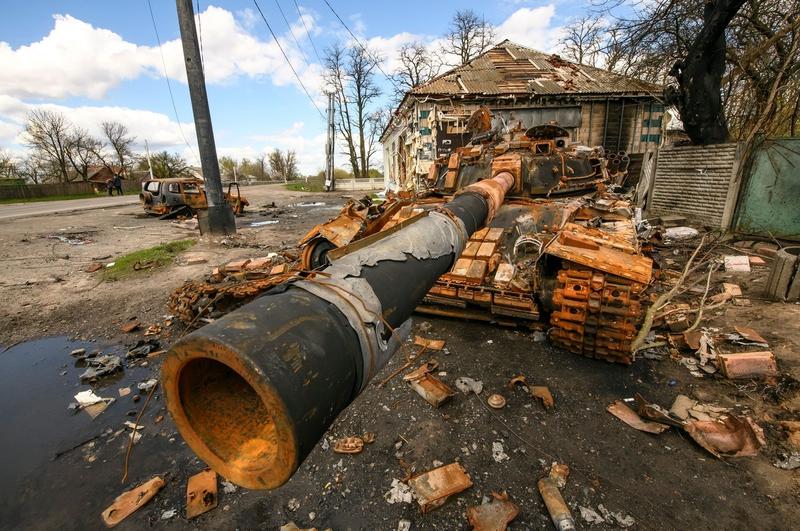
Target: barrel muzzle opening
(230, 415)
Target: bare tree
(30, 168)
(82, 151)
(351, 74)
(8, 166)
(469, 35)
(47, 133)
(418, 65)
(582, 40)
(120, 142)
(283, 166)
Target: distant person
(118, 184)
(110, 186)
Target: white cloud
(310, 148)
(74, 59)
(531, 26)
(78, 59)
(160, 131)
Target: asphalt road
(43, 208)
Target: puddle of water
(34, 396)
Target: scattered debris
(169, 514)
(130, 326)
(124, 391)
(750, 337)
(78, 352)
(100, 366)
(556, 506)
(793, 427)
(790, 462)
(680, 233)
(228, 487)
(142, 348)
(559, 472)
(748, 364)
(494, 515)
(737, 263)
(496, 401)
(728, 436)
(153, 330)
(729, 291)
(91, 403)
(352, 445)
(291, 526)
(129, 502)
(591, 516)
(262, 223)
(468, 385)
(404, 525)
(632, 419)
(399, 493)
(201, 493)
(147, 385)
(432, 488)
(93, 267)
(543, 393)
(432, 344)
(293, 505)
(621, 520)
(498, 452)
(433, 390)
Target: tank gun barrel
(253, 392)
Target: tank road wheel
(315, 254)
(596, 315)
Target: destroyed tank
(561, 252)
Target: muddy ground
(660, 481)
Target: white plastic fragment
(399, 493)
(591, 516)
(498, 452)
(468, 385)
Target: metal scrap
(629, 417)
(728, 436)
(493, 515)
(129, 502)
(432, 488)
(201, 493)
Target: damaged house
(519, 85)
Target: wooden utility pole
(218, 220)
(330, 181)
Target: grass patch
(146, 260)
(313, 185)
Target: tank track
(597, 314)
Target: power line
(169, 85)
(374, 59)
(291, 32)
(287, 59)
(200, 35)
(299, 14)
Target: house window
(424, 114)
(651, 138)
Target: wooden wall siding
(695, 182)
(595, 130)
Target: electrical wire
(169, 85)
(291, 32)
(299, 14)
(200, 35)
(364, 49)
(287, 58)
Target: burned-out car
(183, 196)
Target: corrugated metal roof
(509, 68)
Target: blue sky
(98, 61)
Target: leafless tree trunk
(121, 143)
(82, 151)
(469, 35)
(47, 133)
(418, 65)
(582, 40)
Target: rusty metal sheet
(129, 502)
(432, 488)
(201, 493)
(634, 267)
(494, 515)
(433, 390)
(632, 419)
